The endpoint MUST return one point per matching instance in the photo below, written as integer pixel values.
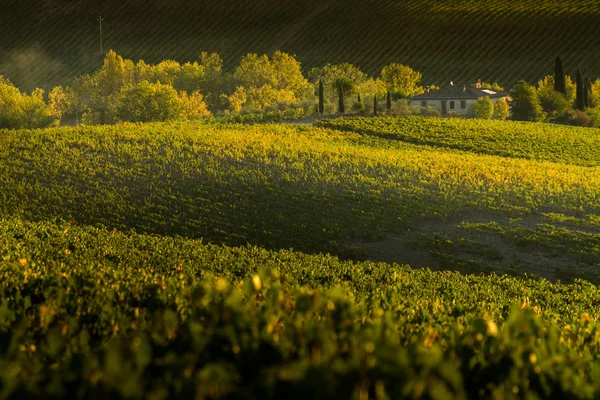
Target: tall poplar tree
(321, 98)
(375, 105)
(389, 101)
(580, 94)
(341, 98)
(587, 92)
(559, 77)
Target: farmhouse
(456, 98)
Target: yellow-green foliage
(91, 310)
(19, 110)
(133, 315)
(563, 144)
(277, 186)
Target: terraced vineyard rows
(454, 40)
(564, 144)
(118, 279)
(91, 313)
(313, 190)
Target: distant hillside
(44, 42)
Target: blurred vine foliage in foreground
(92, 313)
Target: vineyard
(206, 260)
(50, 42)
(94, 313)
(562, 144)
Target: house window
(452, 105)
(424, 103)
(463, 104)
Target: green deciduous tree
(595, 94)
(525, 105)
(205, 76)
(330, 75)
(146, 102)
(269, 82)
(166, 72)
(484, 108)
(115, 74)
(546, 84)
(19, 110)
(487, 85)
(35, 113)
(501, 109)
(193, 105)
(10, 99)
(98, 93)
(61, 103)
(214, 81)
(237, 99)
(401, 80)
(554, 104)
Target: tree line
(558, 99)
(121, 90)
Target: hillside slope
(44, 42)
(314, 190)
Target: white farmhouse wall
(437, 104)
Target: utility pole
(100, 19)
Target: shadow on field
(548, 245)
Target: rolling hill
(45, 42)
(189, 260)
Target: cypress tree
(580, 95)
(358, 99)
(321, 98)
(388, 103)
(559, 77)
(587, 91)
(375, 105)
(341, 98)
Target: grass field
(44, 43)
(190, 260)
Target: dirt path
(488, 242)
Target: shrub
(403, 108)
(501, 109)
(429, 112)
(553, 103)
(484, 108)
(358, 106)
(580, 118)
(147, 102)
(525, 105)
